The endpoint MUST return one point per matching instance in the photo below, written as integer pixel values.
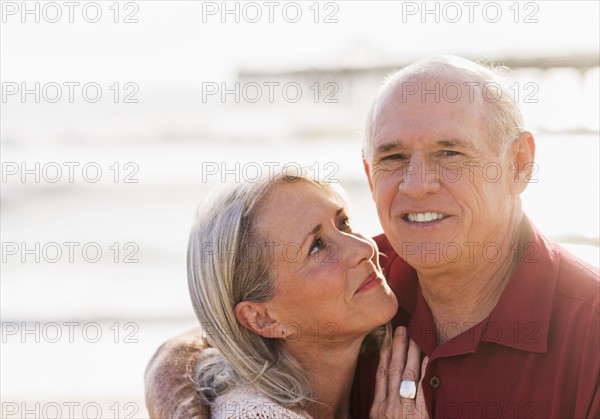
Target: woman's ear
(255, 317)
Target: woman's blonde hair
(228, 262)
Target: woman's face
(328, 283)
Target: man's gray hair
(505, 121)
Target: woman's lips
(371, 281)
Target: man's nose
(421, 178)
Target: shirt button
(434, 381)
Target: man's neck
(464, 297)
(330, 369)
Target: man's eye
(449, 153)
(393, 157)
(393, 161)
(316, 245)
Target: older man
(509, 320)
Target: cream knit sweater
(247, 403)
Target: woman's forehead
(298, 200)
(303, 189)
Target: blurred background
(118, 117)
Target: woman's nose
(358, 248)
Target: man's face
(443, 192)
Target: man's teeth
(424, 217)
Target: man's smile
(424, 217)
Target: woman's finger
(412, 370)
(410, 380)
(396, 366)
(381, 377)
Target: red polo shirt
(537, 355)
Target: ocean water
(143, 275)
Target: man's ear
(367, 172)
(256, 318)
(522, 154)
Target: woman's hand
(399, 361)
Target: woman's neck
(330, 368)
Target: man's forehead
(448, 130)
(440, 122)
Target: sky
(179, 42)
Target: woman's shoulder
(247, 402)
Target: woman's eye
(317, 245)
(345, 225)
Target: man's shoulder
(169, 378)
(577, 280)
(577, 284)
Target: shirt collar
(521, 317)
(522, 314)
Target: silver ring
(408, 389)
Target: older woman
(289, 295)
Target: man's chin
(430, 253)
